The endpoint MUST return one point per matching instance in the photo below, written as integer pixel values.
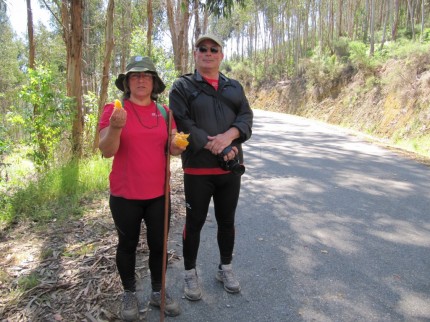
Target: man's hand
(219, 142)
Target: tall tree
(109, 45)
(150, 26)
(178, 14)
(396, 19)
(372, 27)
(31, 57)
(71, 13)
(422, 20)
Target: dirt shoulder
(74, 264)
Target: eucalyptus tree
(31, 46)
(179, 15)
(69, 16)
(108, 48)
(10, 79)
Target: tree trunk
(31, 57)
(422, 21)
(109, 45)
(71, 12)
(384, 24)
(197, 27)
(396, 20)
(178, 18)
(150, 26)
(366, 22)
(43, 149)
(411, 10)
(372, 27)
(339, 19)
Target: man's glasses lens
(203, 49)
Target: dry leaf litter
(75, 265)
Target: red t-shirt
(139, 166)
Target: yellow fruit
(180, 139)
(117, 104)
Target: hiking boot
(129, 306)
(192, 288)
(171, 308)
(226, 276)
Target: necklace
(140, 121)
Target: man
(214, 110)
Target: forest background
(362, 64)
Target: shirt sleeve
(104, 119)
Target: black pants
(128, 216)
(199, 189)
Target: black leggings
(199, 189)
(128, 215)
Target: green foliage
(341, 49)
(52, 54)
(359, 55)
(222, 7)
(56, 194)
(11, 50)
(49, 118)
(238, 70)
(90, 120)
(322, 70)
(405, 48)
(426, 35)
(27, 282)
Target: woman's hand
(174, 148)
(109, 139)
(118, 118)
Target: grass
(420, 145)
(27, 282)
(57, 194)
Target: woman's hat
(141, 64)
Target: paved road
(329, 228)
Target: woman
(136, 136)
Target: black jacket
(200, 110)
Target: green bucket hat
(141, 64)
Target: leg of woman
(226, 197)
(127, 215)
(154, 221)
(198, 193)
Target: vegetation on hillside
(386, 96)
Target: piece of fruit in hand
(117, 104)
(181, 139)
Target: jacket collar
(198, 77)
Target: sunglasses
(204, 49)
(136, 76)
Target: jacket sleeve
(179, 105)
(244, 118)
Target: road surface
(329, 228)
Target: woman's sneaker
(226, 276)
(192, 290)
(129, 306)
(171, 308)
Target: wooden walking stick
(166, 217)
